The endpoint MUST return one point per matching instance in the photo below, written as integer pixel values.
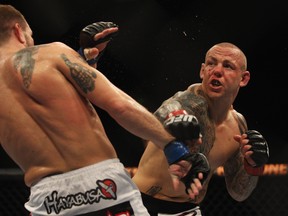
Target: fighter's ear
(245, 78)
(18, 31)
(202, 70)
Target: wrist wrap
(175, 150)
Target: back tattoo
(25, 63)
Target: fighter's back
(46, 126)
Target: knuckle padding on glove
(87, 34)
(200, 164)
(184, 130)
(259, 147)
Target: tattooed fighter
(50, 128)
(226, 140)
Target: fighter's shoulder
(53, 52)
(240, 119)
(194, 87)
(55, 47)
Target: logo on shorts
(106, 189)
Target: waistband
(162, 206)
(87, 169)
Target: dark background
(161, 45)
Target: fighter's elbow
(239, 196)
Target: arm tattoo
(194, 103)
(237, 178)
(84, 77)
(25, 62)
(154, 190)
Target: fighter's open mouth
(215, 83)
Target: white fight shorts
(157, 207)
(102, 189)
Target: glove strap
(254, 171)
(175, 150)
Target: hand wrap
(86, 38)
(182, 125)
(260, 155)
(176, 151)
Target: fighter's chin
(214, 93)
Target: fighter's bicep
(81, 75)
(233, 166)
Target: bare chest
(224, 145)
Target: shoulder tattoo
(25, 63)
(84, 77)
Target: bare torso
(48, 127)
(217, 144)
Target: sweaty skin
(57, 129)
(48, 123)
(222, 74)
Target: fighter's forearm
(139, 121)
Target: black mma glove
(260, 153)
(182, 125)
(200, 164)
(176, 151)
(86, 38)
